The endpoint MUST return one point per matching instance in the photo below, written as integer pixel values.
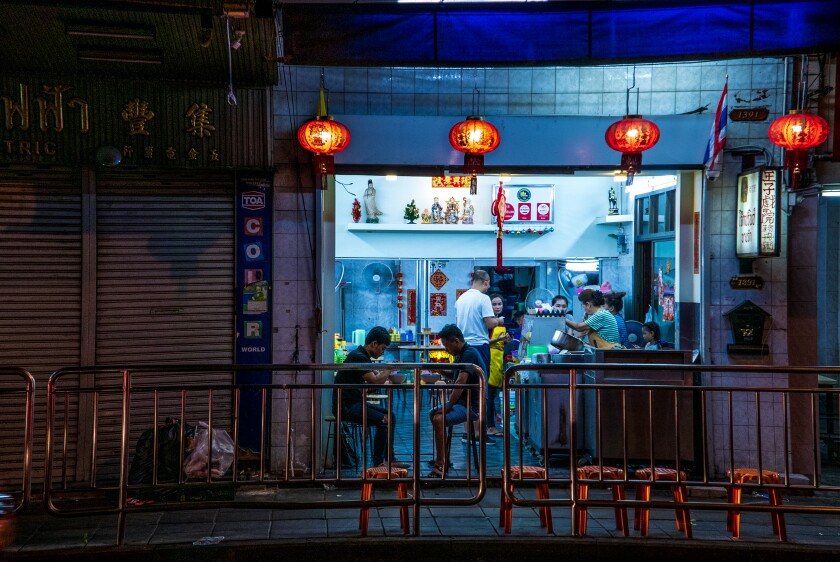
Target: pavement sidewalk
(470, 533)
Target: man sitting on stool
(454, 410)
(352, 402)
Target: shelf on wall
(614, 219)
(421, 228)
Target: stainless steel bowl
(540, 358)
(562, 340)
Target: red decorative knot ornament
(631, 136)
(324, 137)
(798, 132)
(475, 137)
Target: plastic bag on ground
(195, 465)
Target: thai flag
(717, 140)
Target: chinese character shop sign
(757, 217)
(59, 122)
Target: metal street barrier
(96, 414)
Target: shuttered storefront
(165, 286)
(41, 288)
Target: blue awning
(554, 33)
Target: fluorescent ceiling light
(646, 184)
(391, 177)
(830, 192)
(582, 265)
(137, 32)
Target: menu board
(529, 203)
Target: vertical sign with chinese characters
(770, 224)
(757, 217)
(253, 298)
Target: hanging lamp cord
(231, 97)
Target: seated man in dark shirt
(352, 402)
(455, 410)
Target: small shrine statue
(356, 211)
(426, 216)
(437, 212)
(613, 202)
(468, 211)
(371, 212)
(452, 211)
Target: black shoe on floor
(487, 440)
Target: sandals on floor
(437, 472)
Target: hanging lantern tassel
(499, 209)
(473, 185)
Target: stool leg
(580, 512)
(644, 512)
(678, 516)
(637, 512)
(540, 511)
(545, 512)
(402, 492)
(729, 496)
(367, 487)
(683, 515)
(778, 518)
(736, 515)
(620, 512)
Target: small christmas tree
(411, 212)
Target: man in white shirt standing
(475, 318)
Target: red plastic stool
(606, 473)
(381, 472)
(733, 495)
(506, 507)
(641, 516)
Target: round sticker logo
(524, 194)
(542, 208)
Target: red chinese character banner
(451, 181)
(411, 312)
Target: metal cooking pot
(562, 340)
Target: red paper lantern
(475, 137)
(798, 132)
(631, 136)
(324, 137)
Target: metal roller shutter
(40, 283)
(165, 287)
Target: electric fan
(377, 275)
(538, 299)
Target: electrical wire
(287, 77)
(231, 97)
